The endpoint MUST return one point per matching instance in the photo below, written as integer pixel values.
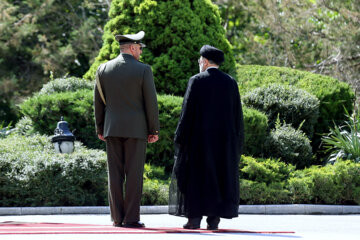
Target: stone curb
(303, 209)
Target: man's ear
(205, 61)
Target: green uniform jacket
(131, 108)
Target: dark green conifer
(175, 31)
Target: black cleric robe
(208, 143)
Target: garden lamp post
(63, 139)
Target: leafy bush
(262, 181)
(290, 145)
(25, 127)
(347, 178)
(32, 174)
(344, 141)
(334, 96)
(300, 189)
(5, 130)
(175, 32)
(337, 183)
(268, 181)
(292, 105)
(264, 170)
(155, 193)
(155, 172)
(77, 108)
(256, 130)
(252, 192)
(66, 84)
(156, 186)
(161, 153)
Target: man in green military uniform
(126, 114)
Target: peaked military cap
(213, 54)
(131, 38)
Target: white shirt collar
(212, 67)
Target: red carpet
(69, 228)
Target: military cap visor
(213, 54)
(131, 38)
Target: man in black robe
(208, 144)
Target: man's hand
(101, 137)
(153, 138)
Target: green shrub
(76, 107)
(175, 31)
(300, 189)
(343, 141)
(347, 177)
(155, 172)
(324, 190)
(267, 181)
(263, 181)
(66, 84)
(264, 170)
(155, 193)
(334, 96)
(290, 145)
(5, 130)
(256, 130)
(161, 153)
(25, 127)
(252, 192)
(337, 183)
(294, 106)
(32, 174)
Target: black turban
(213, 54)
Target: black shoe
(193, 223)
(213, 223)
(134, 225)
(117, 224)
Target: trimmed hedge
(292, 105)
(256, 131)
(77, 108)
(267, 181)
(334, 95)
(161, 153)
(32, 174)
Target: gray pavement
(317, 227)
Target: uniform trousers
(126, 158)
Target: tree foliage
(40, 37)
(321, 36)
(175, 31)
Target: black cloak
(208, 143)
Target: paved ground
(315, 227)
